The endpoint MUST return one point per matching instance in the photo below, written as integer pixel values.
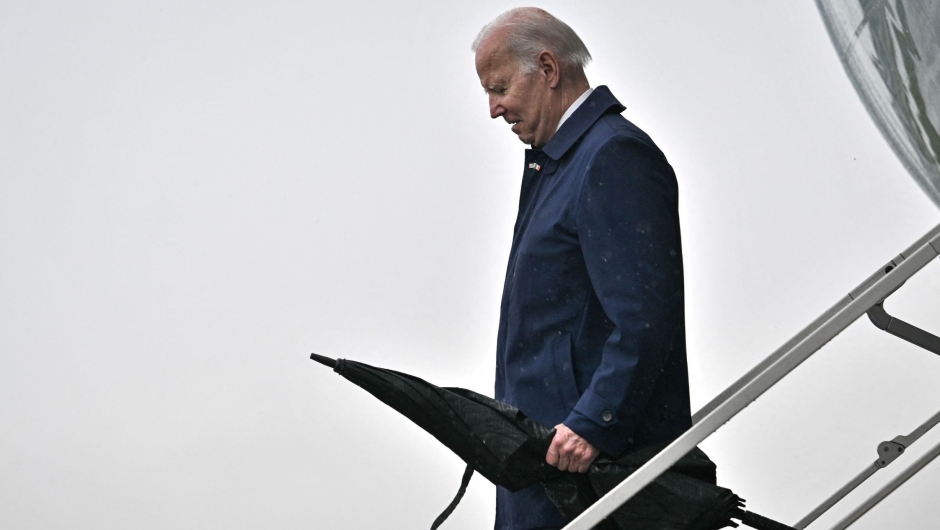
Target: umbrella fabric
(508, 448)
(497, 440)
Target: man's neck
(572, 93)
(569, 94)
(560, 102)
(573, 107)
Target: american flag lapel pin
(535, 166)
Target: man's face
(521, 99)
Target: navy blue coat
(591, 329)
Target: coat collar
(596, 105)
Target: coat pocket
(564, 372)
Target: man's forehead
(491, 61)
(492, 75)
(494, 41)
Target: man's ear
(548, 67)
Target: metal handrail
(740, 394)
(888, 489)
(888, 452)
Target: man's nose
(496, 110)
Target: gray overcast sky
(196, 195)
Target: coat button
(606, 415)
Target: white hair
(531, 30)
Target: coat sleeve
(628, 227)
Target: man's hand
(570, 452)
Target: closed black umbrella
(502, 444)
(497, 440)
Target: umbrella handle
(760, 522)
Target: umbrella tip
(326, 361)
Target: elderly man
(591, 336)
